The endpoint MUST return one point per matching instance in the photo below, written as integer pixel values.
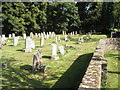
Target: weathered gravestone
(62, 50)
(80, 40)
(54, 52)
(15, 41)
(29, 44)
(31, 34)
(37, 60)
(80, 32)
(75, 32)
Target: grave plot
(72, 64)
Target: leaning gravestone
(37, 60)
(62, 50)
(54, 52)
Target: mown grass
(65, 72)
(113, 58)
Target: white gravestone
(31, 34)
(3, 39)
(66, 38)
(36, 35)
(29, 44)
(41, 41)
(13, 35)
(63, 33)
(32, 44)
(24, 36)
(59, 40)
(62, 50)
(47, 36)
(15, 41)
(54, 52)
(39, 35)
(10, 35)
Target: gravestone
(31, 34)
(59, 40)
(24, 36)
(32, 44)
(15, 42)
(41, 41)
(37, 60)
(54, 52)
(66, 39)
(79, 41)
(63, 32)
(75, 32)
(10, 35)
(62, 50)
(47, 37)
(39, 35)
(3, 38)
(13, 35)
(36, 35)
(28, 44)
(80, 32)
(56, 39)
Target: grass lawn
(113, 71)
(67, 72)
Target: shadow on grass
(73, 76)
(10, 45)
(113, 72)
(26, 67)
(20, 50)
(46, 57)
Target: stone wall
(98, 66)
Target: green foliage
(26, 17)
